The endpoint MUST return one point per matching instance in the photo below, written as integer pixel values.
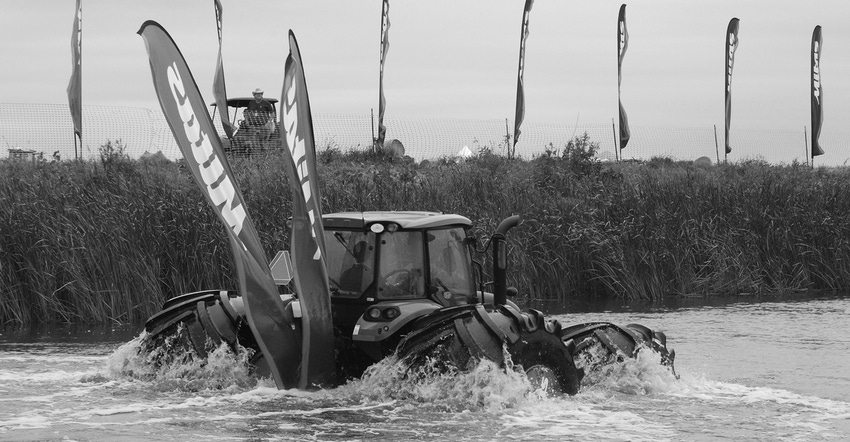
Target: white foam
(575, 420)
(485, 387)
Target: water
(749, 371)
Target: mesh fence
(47, 128)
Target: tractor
(246, 139)
(412, 284)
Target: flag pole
(622, 46)
(372, 125)
(716, 146)
(520, 86)
(507, 135)
(385, 46)
(730, 46)
(816, 93)
(806, 142)
(75, 84)
(616, 148)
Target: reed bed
(110, 240)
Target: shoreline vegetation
(108, 240)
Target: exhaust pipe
(500, 259)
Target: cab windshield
(402, 265)
(394, 264)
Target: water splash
(485, 387)
(642, 375)
(223, 368)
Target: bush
(110, 240)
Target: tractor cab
(383, 256)
(249, 135)
(386, 269)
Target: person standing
(260, 116)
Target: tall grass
(109, 240)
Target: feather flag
(385, 46)
(622, 45)
(817, 91)
(307, 245)
(729, 49)
(75, 85)
(219, 89)
(271, 323)
(520, 92)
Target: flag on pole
(219, 90)
(75, 85)
(385, 46)
(622, 45)
(817, 91)
(192, 127)
(729, 49)
(520, 92)
(318, 364)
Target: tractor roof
(405, 220)
(243, 101)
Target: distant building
(20, 154)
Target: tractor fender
(374, 330)
(462, 336)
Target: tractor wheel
(458, 342)
(191, 325)
(439, 349)
(545, 359)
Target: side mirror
(511, 292)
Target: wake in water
(637, 399)
(223, 368)
(486, 387)
(642, 375)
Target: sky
(455, 58)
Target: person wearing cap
(260, 116)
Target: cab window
(451, 263)
(401, 265)
(350, 261)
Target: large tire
(599, 345)
(545, 359)
(436, 345)
(191, 325)
(460, 340)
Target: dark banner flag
(520, 89)
(817, 92)
(307, 244)
(75, 86)
(385, 46)
(729, 49)
(622, 45)
(219, 90)
(193, 130)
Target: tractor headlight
(391, 313)
(373, 313)
(382, 314)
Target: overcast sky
(454, 58)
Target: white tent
(464, 153)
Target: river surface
(775, 370)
